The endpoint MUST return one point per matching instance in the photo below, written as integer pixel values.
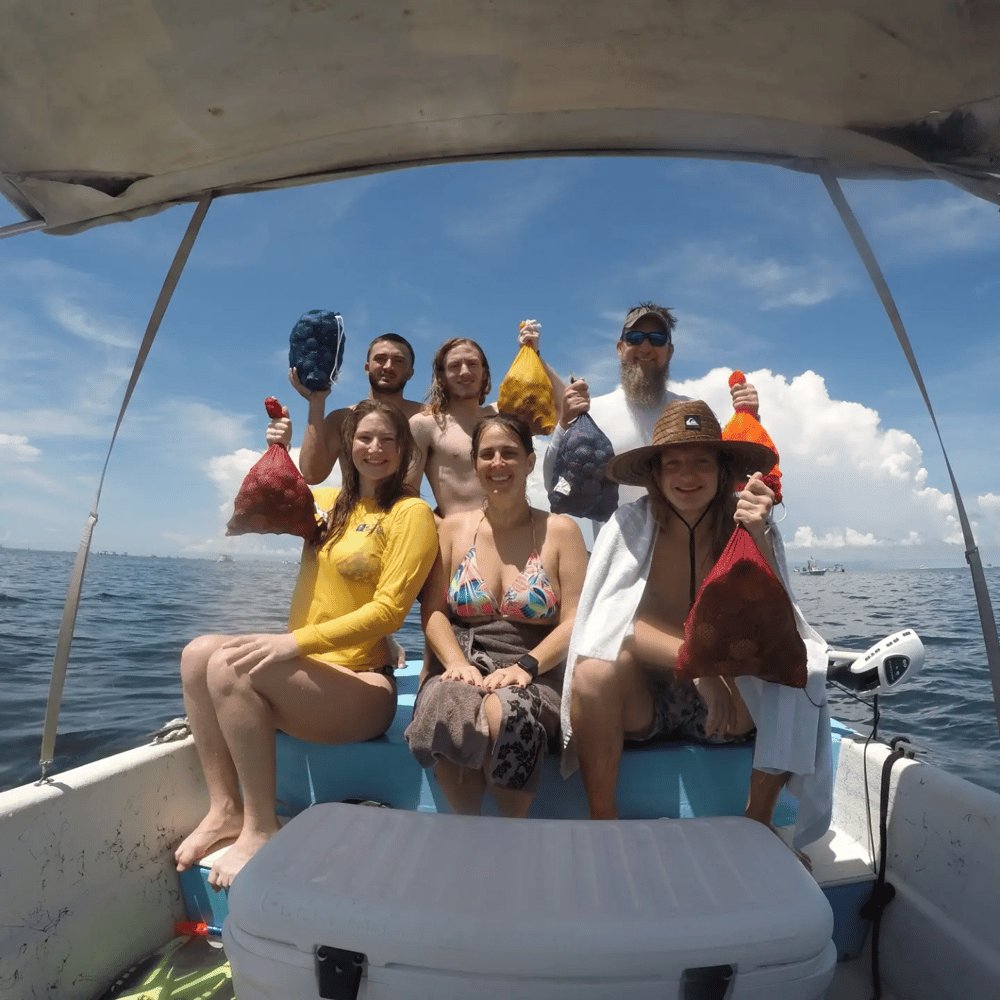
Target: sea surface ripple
(136, 614)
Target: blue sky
(753, 259)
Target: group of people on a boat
(533, 645)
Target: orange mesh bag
(742, 621)
(744, 426)
(527, 392)
(274, 499)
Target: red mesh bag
(742, 622)
(274, 499)
(744, 426)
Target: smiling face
(375, 449)
(689, 478)
(388, 367)
(464, 373)
(502, 464)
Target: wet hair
(393, 338)
(387, 490)
(663, 314)
(515, 426)
(722, 506)
(437, 398)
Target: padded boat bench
(661, 779)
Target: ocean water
(136, 614)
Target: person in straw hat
(647, 565)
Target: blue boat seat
(664, 779)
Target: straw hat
(687, 422)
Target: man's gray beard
(644, 388)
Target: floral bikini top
(529, 596)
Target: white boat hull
(89, 883)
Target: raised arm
(530, 334)
(320, 450)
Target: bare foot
(229, 864)
(218, 826)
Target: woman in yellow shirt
(329, 678)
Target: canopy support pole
(17, 228)
(983, 601)
(65, 639)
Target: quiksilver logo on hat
(692, 422)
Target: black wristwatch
(530, 664)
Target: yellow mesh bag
(527, 392)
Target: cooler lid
(545, 897)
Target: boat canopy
(114, 109)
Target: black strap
(884, 892)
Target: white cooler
(352, 901)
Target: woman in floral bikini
(498, 612)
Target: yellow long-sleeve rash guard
(353, 593)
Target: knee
(595, 683)
(195, 657)
(220, 675)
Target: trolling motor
(881, 668)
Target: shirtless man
(389, 367)
(443, 430)
(688, 517)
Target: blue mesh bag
(580, 486)
(316, 348)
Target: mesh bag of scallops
(274, 499)
(526, 392)
(580, 486)
(742, 622)
(316, 348)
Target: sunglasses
(635, 337)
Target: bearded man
(629, 413)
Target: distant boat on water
(224, 558)
(812, 568)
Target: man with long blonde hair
(460, 383)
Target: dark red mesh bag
(742, 622)
(274, 499)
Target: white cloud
(771, 282)
(87, 325)
(848, 482)
(15, 448)
(989, 502)
(957, 222)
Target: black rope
(884, 892)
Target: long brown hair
(388, 490)
(722, 507)
(437, 398)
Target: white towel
(793, 724)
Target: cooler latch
(339, 972)
(709, 982)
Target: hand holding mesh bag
(742, 621)
(580, 486)
(527, 392)
(744, 426)
(316, 348)
(274, 499)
